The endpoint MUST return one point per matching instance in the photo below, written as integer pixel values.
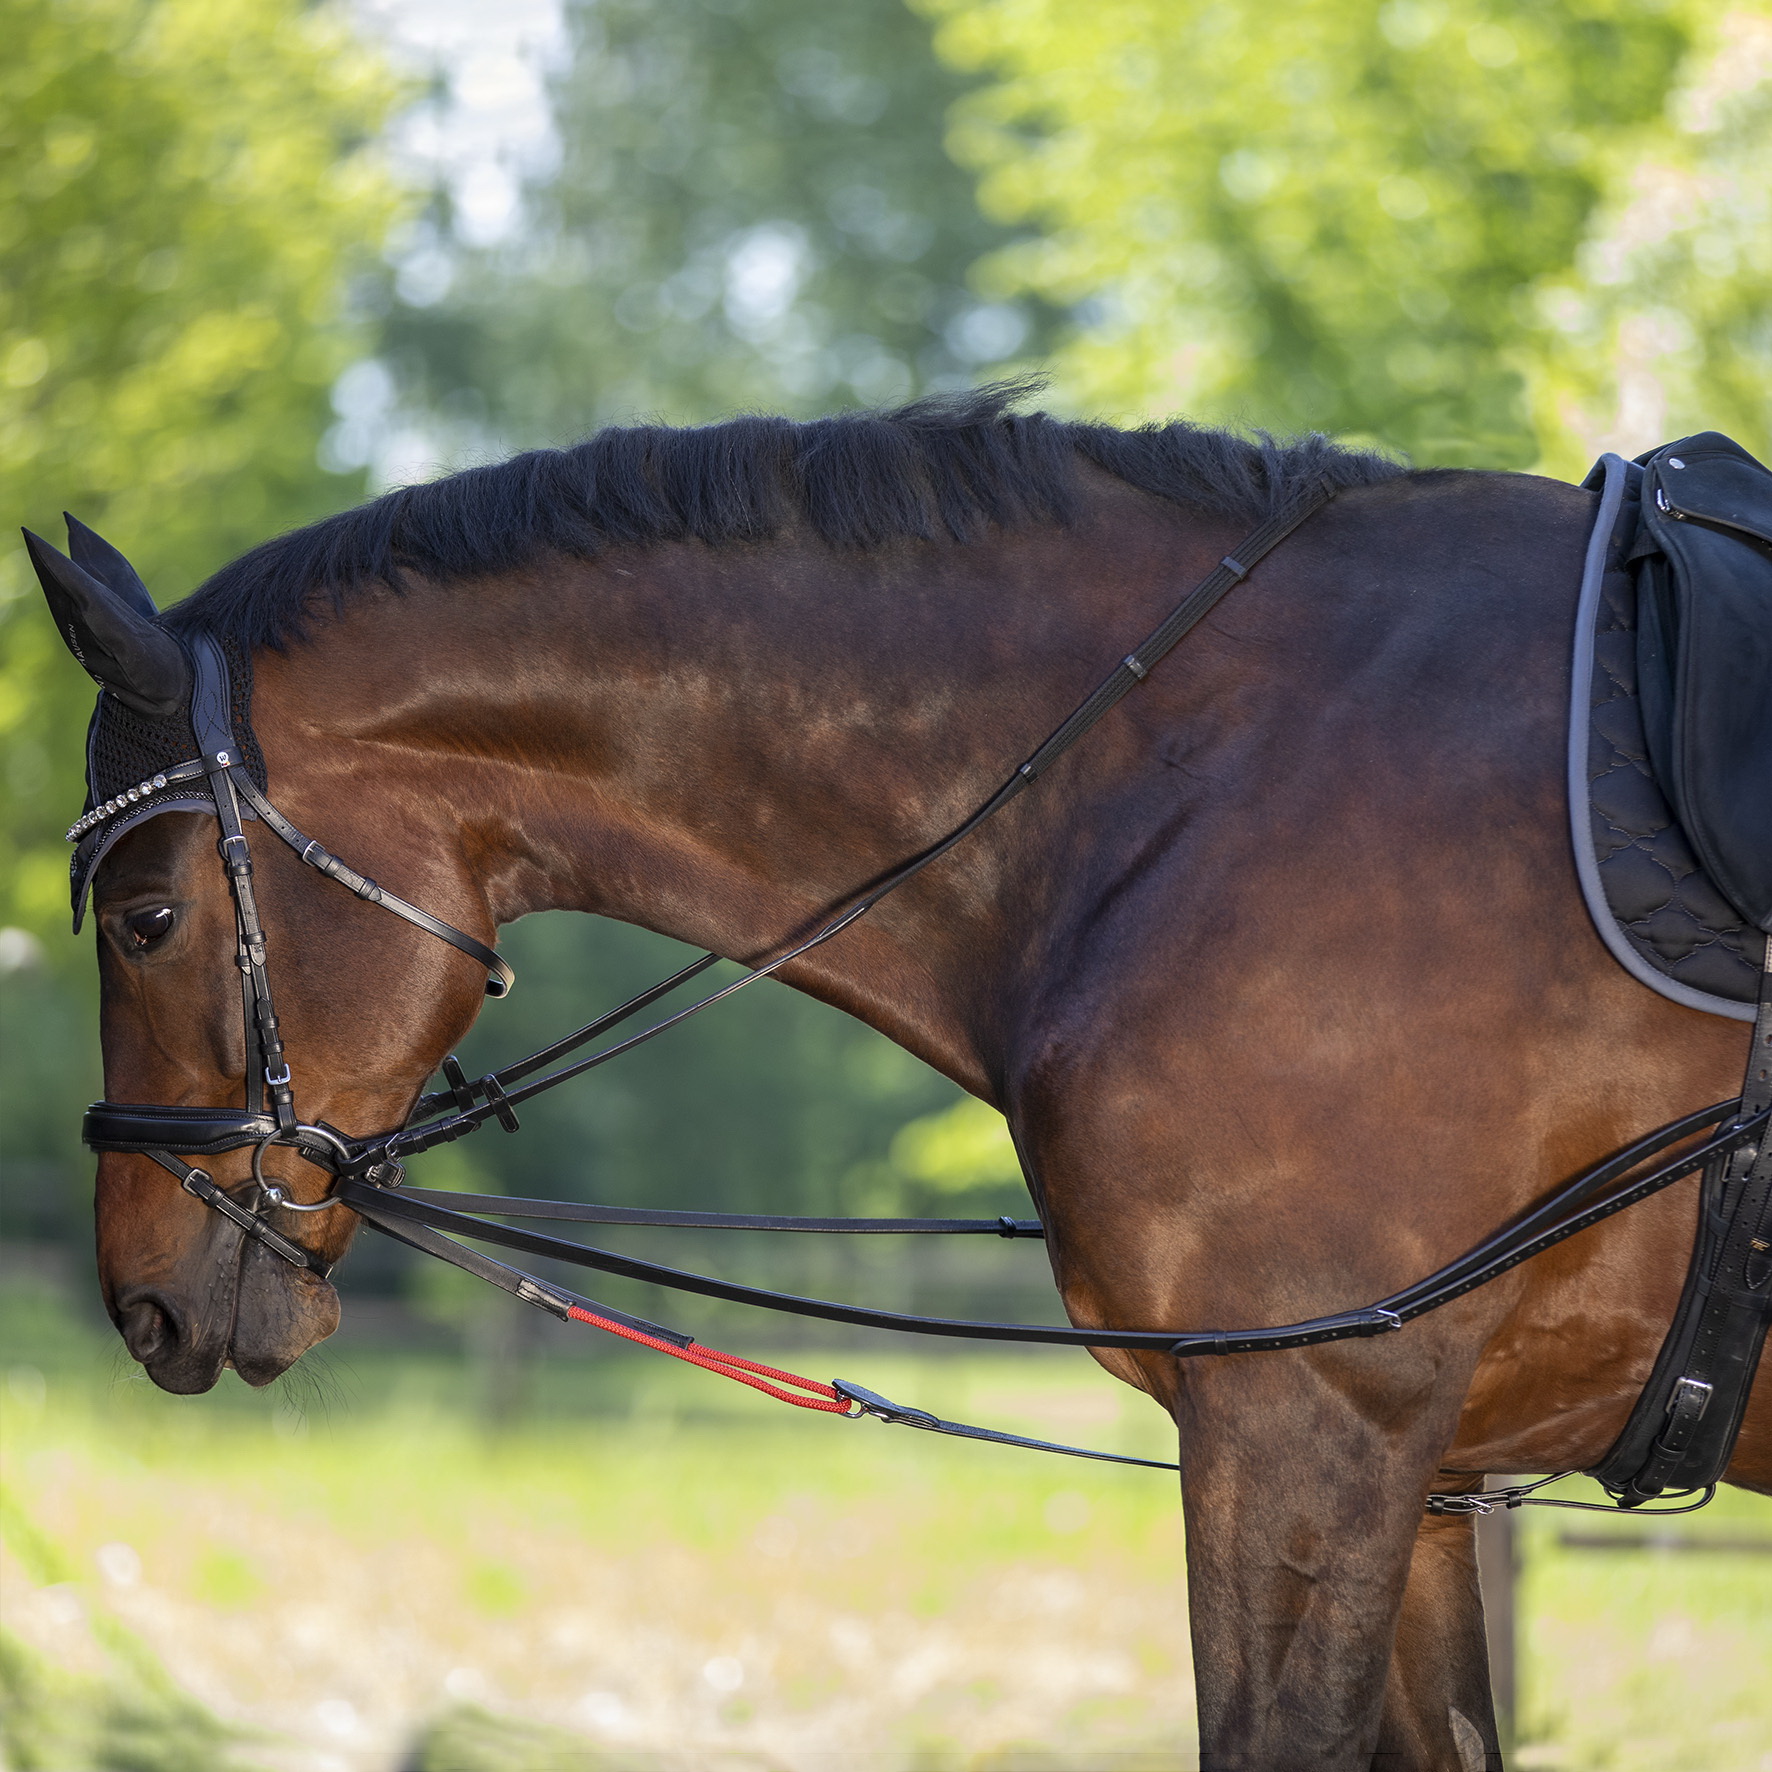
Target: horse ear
(92, 551)
(116, 645)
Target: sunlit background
(259, 259)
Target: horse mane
(947, 466)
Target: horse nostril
(147, 1329)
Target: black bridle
(368, 1174)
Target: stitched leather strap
(199, 1184)
(499, 976)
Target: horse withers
(1283, 979)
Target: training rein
(368, 1173)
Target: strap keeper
(1130, 661)
(461, 1091)
(1235, 568)
(500, 1103)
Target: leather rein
(368, 1173)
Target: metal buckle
(1690, 1394)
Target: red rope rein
(822, 1397)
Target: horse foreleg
(1302, 1479)
(1438, 1709)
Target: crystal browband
(181, 772)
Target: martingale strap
(840, 1397)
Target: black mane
(944, 467)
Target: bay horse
(1283, 978)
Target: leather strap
(267, 1068)
(504, 1206)
(499, 976)
(555, 1300)
(898, 1415)
(199, 1184)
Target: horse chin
(281, 1312)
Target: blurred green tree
(1333, 214)
(753, 209)
(186, 187)
(1663, 325)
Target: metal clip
(1477, 1503)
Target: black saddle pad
(1652, 895)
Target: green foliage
(753, 210)
(185, 187)
(50, 1068)
(53, 1720)
(963, 1147)
(1664, 325)
(1318, 213)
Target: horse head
(360, 1017)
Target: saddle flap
(1705, 655)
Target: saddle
(1671, 721)
(1670, 789)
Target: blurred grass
(655, 1570)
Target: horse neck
(723, 745)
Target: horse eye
(147, 927)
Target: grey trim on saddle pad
(1659, 915)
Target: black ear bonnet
(127, 757)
